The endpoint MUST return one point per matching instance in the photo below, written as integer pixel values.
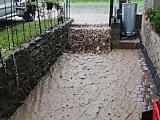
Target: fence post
(1, 53)
(111, 11)
(39, 17)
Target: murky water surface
(86, 87)
(90, 13)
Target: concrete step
(126, 44)
(91, 26)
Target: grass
(21, 33)
(14, 36)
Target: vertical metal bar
(48, 18)
(54, 18)
(35, 27)
(39, 21)
(24, 35)
(0, 54)
(7, 25)
(64, 10)
(15, 24)
(12, 24)
(3, 35)
(69, 8)
(30, 30)
(43, 13)
(111, 11)
(17, 39)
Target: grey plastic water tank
(129, 18)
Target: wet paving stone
(94, 83)
(146, 88)
(104, 93)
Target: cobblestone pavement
(146, 91)
(86, 87)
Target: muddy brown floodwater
(86, 87)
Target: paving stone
(144, 103)
(149, 89)
(150, 103)
(135, 95)
(140, 86)
(137, 88)
(150, 107)
(137, 92)
(143, 77)
(145, 108)
(146, 86)
(141, 96)
(147, 99)
(154, 96)
(146, 92)
(152, 89)
(147, 82)
(140, 99)
(148, 96)
(143, 89)
(148, 76)
(154, 92)
(152, 86)
(145, 69)
(143, 63)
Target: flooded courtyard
(92, 85)
(86, 87)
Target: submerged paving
(95, 83)
(86, 87)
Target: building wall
(150, 39)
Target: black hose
(151, 67)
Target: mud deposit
(86, 87)
(89, 39)
(94, 83)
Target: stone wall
(21, 71)
(150, 39)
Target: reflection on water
(89, 8)
(96, 8)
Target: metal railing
(32, 18)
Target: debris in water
(89, 39)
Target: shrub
(153, 15)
